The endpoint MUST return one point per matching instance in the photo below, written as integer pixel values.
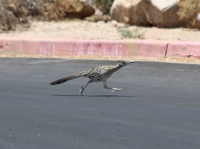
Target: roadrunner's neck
(117, 67)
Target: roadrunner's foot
(116, 89)
(81, 91)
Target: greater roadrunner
(97, 74)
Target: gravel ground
(79, 29)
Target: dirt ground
(79, 29)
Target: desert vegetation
(18, 13)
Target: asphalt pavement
(157, 108)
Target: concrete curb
(100, 49)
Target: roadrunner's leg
(105, 86)
(83, 87)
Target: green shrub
(135, 33)
(126, 33)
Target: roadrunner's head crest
(124, 63)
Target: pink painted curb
(183, 49)
(111, 49)
(97, 49)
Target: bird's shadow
(107, 96)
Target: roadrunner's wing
(99, 71)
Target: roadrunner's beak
(129, 62)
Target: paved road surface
(158, 108)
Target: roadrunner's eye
(120, 62)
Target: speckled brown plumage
(97, 74)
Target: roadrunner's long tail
(62, 80)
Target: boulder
(15, 14)
(160, 13)
(80, 9)
(67, 9)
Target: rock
(146, 12)
(59, 9)
(69, 9)
(198, 17)
(98, 12)
(86, 10)
(117, 24)
(14, 13)
(97, 18)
